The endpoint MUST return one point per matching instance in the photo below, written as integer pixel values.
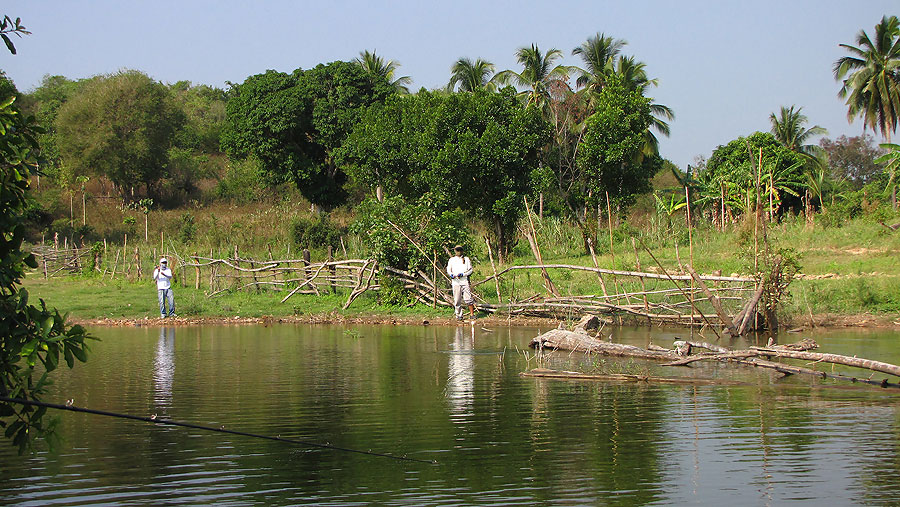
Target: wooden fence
(683, 297)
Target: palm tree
(538, 74)
(471, 75)
(789, 130)
(377, 66)
(598, 54)
(871, 77)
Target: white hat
(163, 260)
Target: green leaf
(14, 427)
(70, 359)
(79, 353)
(9, 44)
(51, 360)
(46, 326)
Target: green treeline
(448, 165)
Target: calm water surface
(453, 395)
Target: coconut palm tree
(471, 75)
(538, 73)
(377, 66)
(871, 77)
(598, 54)
(789, 129)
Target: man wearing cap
(164, 277)
(458, 269)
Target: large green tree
(45, 102)
(734, 170)
(611, 158)
(293, 123)
(475, 151)
(119, 127)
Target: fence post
(332, 271)
(197, 272)
(306, 261)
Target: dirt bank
(798, 324)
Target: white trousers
(462, 297)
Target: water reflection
(164, 368)
(449, 394)
(461, 372)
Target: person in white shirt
(164, 277)
(458, 269)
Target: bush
(431, 231)
(187, 229)
(242, 182)
(391, 291)
(316, 232)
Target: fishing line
(169, 422)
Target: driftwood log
(685, 353)
(623, 377)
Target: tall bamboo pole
(494, 269)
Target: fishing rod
(169, 422)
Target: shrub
(187, 229)
(423, 228)
(316, 232)
(242, 182)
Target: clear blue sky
(723, 66)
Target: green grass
(846, 270)
(93, 298)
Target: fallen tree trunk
(560, 339)
(623, 377)
(857, 362)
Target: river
(452, 395)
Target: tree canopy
(475, 151)
(121, 127)
(736, 165)
(611, 159)
(293, 123)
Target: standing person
(164, 277)
(459, 268)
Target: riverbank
(98, 302)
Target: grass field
(847, 270)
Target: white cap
(163, 260)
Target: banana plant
(891, 161)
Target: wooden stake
(537, 252)
(682, 292)
(494, 269)
(590, 242)
(687, 201)
(196, 272)
(637, 262)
